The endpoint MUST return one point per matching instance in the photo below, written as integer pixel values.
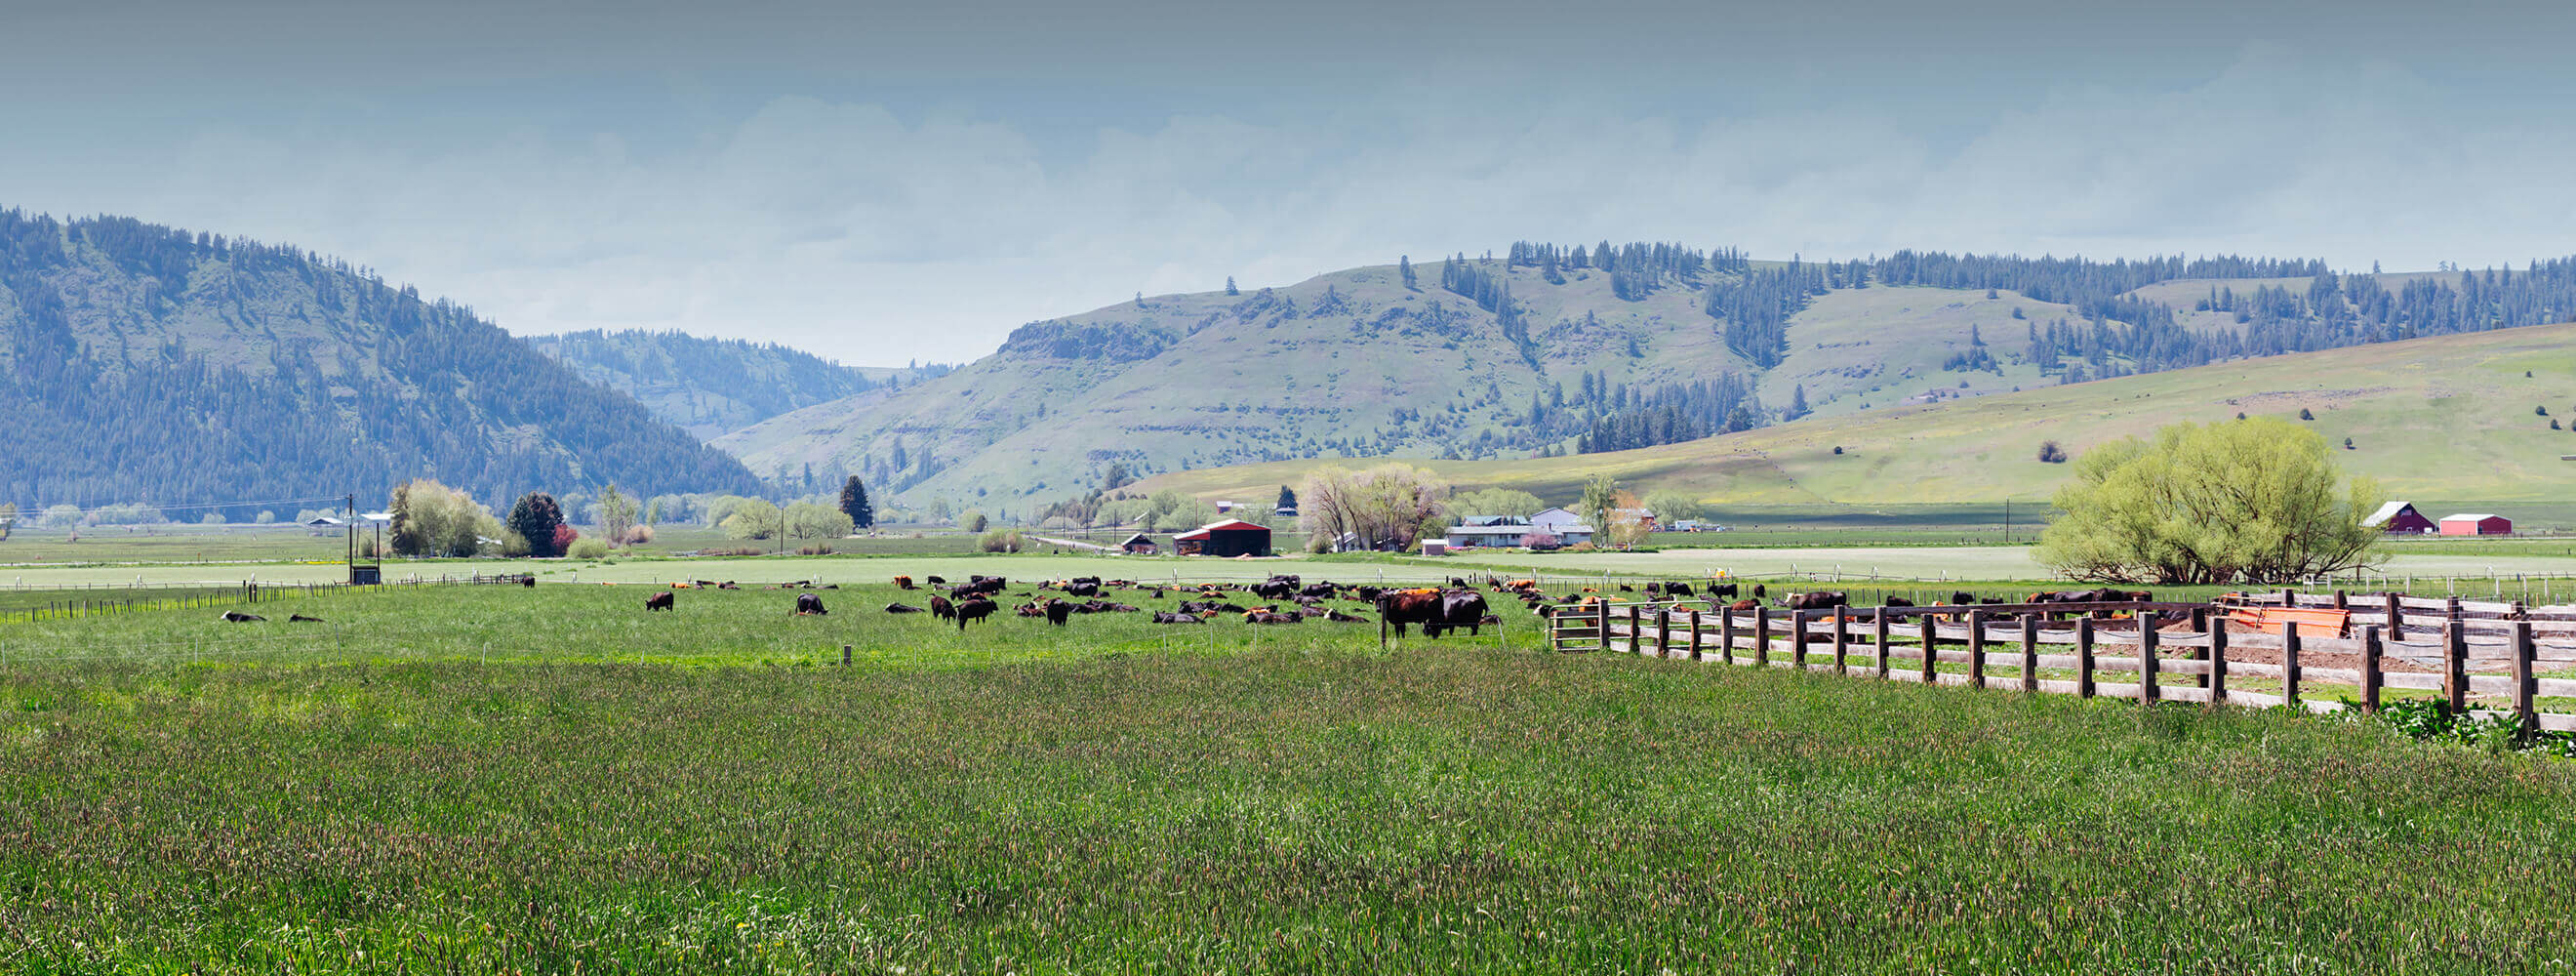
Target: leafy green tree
(854, 503)
(1600, 495)
(973, 521)
(810, 520)
(8, 518)
(432, 519)
(755, 518)
(616, 515)
(535, 518)
(1671, 506)
(2254, 501)
(1497, 501)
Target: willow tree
(1391, 503)
(2248, 501)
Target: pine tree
(854, 503)
(1287, 497)
(1230, 289)
(1797, 401)
(1404, 266)
(536, 518)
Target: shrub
(1838, 449)
(590, 548)
(815, 549)
(1000, 540)
(2304, 414)
(2256, 501)
(565, 536)
(732, 551)
(639, 535)
(2540, 411)
(2050, 453)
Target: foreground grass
(1302, 808)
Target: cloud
(876, 232)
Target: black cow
(302, 619)
(1462, 608)
(1815, 601)
(942, 609)
(1058, 611)
(972, 609)
(661, 601)
(809, 605)
(1726, 590)
(1162, 617)
(901, 608)
(529, 581)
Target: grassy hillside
(710, 387)
(144, 363)
(1350, 363)
(2448, 417)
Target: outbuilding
(2476, 523)
(1232, 537)
(1140, 544)
(2401, 518)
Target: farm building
(2477, 523)
(1232, 537)
(1553, 521)
(2401, 518)
(1472, 536)
(1140, 544)
(1434, 547)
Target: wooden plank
(2526, 712)
(2183, 693)
(2055, 687)
(2117, 689)
(1762, 636)
(2254, 699)
(2455, 667)
(2554, 687)
(2557, 721)
(2329, 676)
(2216, 680)
(1931, 647)
(2410, 680)
(1878, 640)
(1842, 639)
(1976, 648)
(2084, 687)
(2147, 638)
(2030, 654)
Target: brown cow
(660, 601)
(903, 582)
(942, 609)
(972, 609)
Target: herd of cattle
(1288, 599)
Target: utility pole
(352, 514)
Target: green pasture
(483, 779)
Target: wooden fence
(2143, 651)
(31, 605)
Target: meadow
(490, 778)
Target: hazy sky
(879, 183)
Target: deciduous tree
(2252, 501)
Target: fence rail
(30, 605)
(2143, 651)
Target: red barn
(2401, 518)
(2476, 524)
(1232, 537)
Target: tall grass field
(490, 779)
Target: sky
(880, 183)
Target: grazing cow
(1815, 601)
(1057, 611)
(1760, 592)
(934, 581)
(1964, 598)
(529, 581)
(942, 609)
(1162, 617)
(903, 582)
(901, 608)
(1898, 601)
(1405, 607)
(302, 619)
(809, 605)
(660, 601)
(1725, 590)
(972, 609)
(1462, 608)
(238, 617)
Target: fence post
(1842, 626)
(1931, 647)
(2370, 651)
(845, 655)
(2526, 714)
(1726, 634)
(1798, 638)
(2290, 665)
(2083, 657)
(1696, 653)
(2030, 652)
(1762, 636)
(1636, 629)
(1600, 624)
(1976, 648)
(2455, 664)
(2147, 693)
(1878, 635)
(1664, 632)
(2217, 678)
(2396, 623)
